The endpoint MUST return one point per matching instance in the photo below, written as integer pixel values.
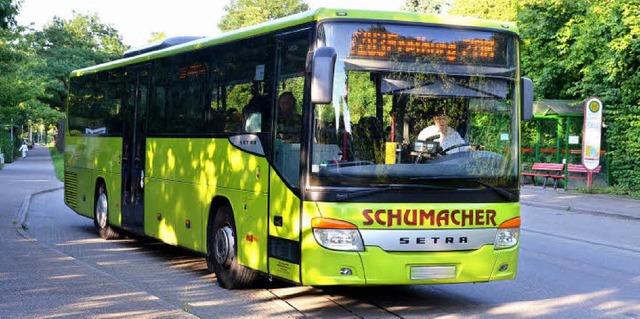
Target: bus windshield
(417, 105)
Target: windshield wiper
(436, 178)
(384, 187)
(501, 191)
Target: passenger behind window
(326, 133)
(233, 121)
(289, 122)
(253, 112)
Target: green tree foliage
(21, 92)
(35, 66)
(11, 60)
(503, 10)
(8, 11)
(66, 45)
(427, 6)
(244, 13)
(157, 36)
(546, 31)
(581, 48)
(20, 88)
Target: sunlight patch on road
(67, 276)
(117, 249)
(65, 258)
(545, 307)
(620, 308)
(92, 241)
(139, 295)
(112, 263)
(209, 303)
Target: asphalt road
(571, 266)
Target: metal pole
(566, 152)
(538, 141)
(559, 138)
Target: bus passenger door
(133, 149)
(284, 203)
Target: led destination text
(421, 217)
(386, 44)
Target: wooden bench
(554, 171)
(579, 168)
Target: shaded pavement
(40, 282)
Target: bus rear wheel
(222, 253)
(101, 220)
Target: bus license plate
(433, 272)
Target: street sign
(591, 133)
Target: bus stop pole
(565, 160)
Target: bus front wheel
(222, 253)
(101, 220)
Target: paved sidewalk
(580, 203)
(40, 282)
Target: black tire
(101, 213)
(222, 253)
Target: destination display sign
(388, 44)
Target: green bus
(297, 149)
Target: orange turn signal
(511, 223)
(330, 223)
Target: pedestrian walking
(24, 148)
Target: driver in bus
(449, 139)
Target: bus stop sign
(591, 133)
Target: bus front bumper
(375, 266)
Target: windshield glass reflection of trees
(388, 125)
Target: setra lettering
(432, 240)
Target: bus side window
(245, 80)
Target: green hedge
(623, 136)
(8, 149)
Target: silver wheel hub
(102, 210)
(224, 246)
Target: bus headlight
(337, 234)
(508, 234)
(506, 238)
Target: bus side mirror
(322, 69)
(526, 85)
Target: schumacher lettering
(421, 217)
